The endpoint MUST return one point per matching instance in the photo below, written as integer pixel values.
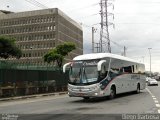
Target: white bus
(104, 74)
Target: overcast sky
(137, 24)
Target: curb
(33, 96)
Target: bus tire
(112, 92)
(138, 88)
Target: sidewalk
(33, 96)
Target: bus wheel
(138, 88)
(112, 92)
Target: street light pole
(150, 59)
(93, 31)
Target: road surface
(64, 107)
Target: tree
(58, 53)
(8, 48)
(65, 48)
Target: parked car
(152, 82)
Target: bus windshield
(83, 72)
(75, 72)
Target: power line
(88, 16)
(85, 25)
(38, 4)
(104, 42)
(116, 43)
(73, 10)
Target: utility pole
(101, 31)
(93, 31)
(150, 59)
(104, 32)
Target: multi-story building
(37, 32)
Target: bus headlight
(96, 94)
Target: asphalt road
(64, 107)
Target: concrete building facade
(37, 32)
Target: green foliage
(58, 53)
(65, 48)
(8, 48)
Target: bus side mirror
(99, 65)
(65, 66)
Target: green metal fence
(29, 66)
(21, 77)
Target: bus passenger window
(128, 69)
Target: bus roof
(104, 55)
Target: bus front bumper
(85, 94)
